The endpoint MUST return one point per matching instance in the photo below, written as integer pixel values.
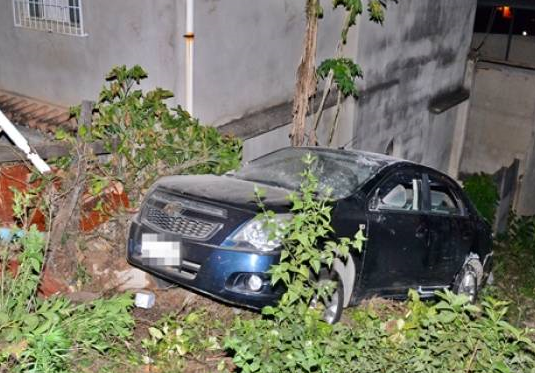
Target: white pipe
(22, 143)
(189, 36)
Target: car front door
(397, 255)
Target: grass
(514, 281)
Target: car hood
(227, 190)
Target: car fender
(347, 273)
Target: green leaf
(155, 333)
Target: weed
(40, 335)
(175, 340)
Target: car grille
(182, 225)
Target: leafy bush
(483, 193)
(147, 139)
(40, 335)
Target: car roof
(387, 159)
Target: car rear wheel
(333, 306)
(466, 283)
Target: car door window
(399, 192)
(443, 200)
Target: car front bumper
(210, 269)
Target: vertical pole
(510, 36)
(189, 36)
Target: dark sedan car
(423, 233)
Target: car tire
(334, 307)
(466, 283)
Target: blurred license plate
(156, 251)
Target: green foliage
(376, 10)
(450, 336)
(40, 335)
(306, 247)
(521, 233)
(292, 327)
(514, 268)
(483, 193)
(147, 139)
(175, 339)
(354, 8)
(17, 295)
(26, 203)
(344, 73)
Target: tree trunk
(306, 75)
(62, 259)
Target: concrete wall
(246, 52)
(246, 55)
(421, 51)
(501, 118)
(66, 69)
(495, 45)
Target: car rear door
(451, 230)
(396, 256)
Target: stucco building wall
(501, 119)
(420, 53)
(66, 69)
(246, 55)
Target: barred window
(59, 16)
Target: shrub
(40, 335)
(146, 139)
(483, 193)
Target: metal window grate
(59, 16)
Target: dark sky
(524, 20)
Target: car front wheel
(334, 304)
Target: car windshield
(340, 171)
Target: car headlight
(264, 234)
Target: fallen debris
(145, 299)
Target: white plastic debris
(145, 300)
(22, 143)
